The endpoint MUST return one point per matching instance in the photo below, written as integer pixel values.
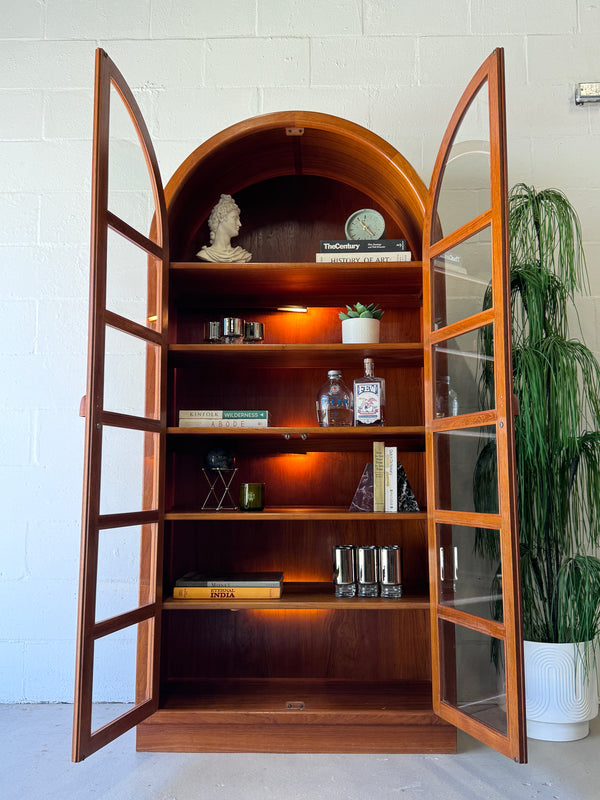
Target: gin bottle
(334, 402)
(369, 397)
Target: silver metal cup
(233, 330)
(390, 570)
(253, 332)
(212, 331)
(344, 579)
(367, 558)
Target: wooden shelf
(409, 438)
(275, 514)
(304, 596)
(297, 716)
(269, 285)
(297, 356)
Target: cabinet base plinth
(171, 737)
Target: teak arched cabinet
(308, 672)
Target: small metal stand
(225, 476)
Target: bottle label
(368, 403)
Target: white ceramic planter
(561, 698)
(359, 330)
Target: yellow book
(378, 476)
(225, 592)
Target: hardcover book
(238, 422)
(362, 245)
(378, 476)
(224, 414)
(363, 497)
(236, 579)
(377, 256)
(226, 592)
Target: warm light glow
(295, 309)
(153, 318)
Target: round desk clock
(365, 224)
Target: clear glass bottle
(446, 399)
(334, 402)
(369, 397)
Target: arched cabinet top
(317, 166)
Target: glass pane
(466, 470)
(470, 570)
(120, 587)
(461, 280)
(127, 481)
(464, 373)
(464, 191)
(473, 674)
(114, 680)
(128, 361)
(132, 278)
(130, 194)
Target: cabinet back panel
(311, 479)
(290, 395)
(302, 551)
(285, 218)
(317, 325)
(352, 645)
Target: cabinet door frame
(152, 427)
(435, 242)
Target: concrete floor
(35, 763)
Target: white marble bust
(224, 223)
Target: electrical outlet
(587, 93)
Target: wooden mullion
(488, 627)
(127, 519)
(471, 519)
(115, 419)
(463, 422)
(133, 235)
(466, 325)
(133, 328)
(461, 234)
(113, 624)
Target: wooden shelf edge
(227, 269)
(299, 355)
(304, 596)
(351, 432)
(295, 514)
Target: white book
(204, 422)
(391, 480)
(224, 414)
(376, 257)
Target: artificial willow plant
(557, 430)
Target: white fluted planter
(360, 330)
(561, 698)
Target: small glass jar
(212, 331)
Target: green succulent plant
(359, 311)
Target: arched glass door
(119, 593)
(473, 541)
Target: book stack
(234, 586)
(376, 250)
(384, 485)
(224, 418)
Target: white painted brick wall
(197, 66)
